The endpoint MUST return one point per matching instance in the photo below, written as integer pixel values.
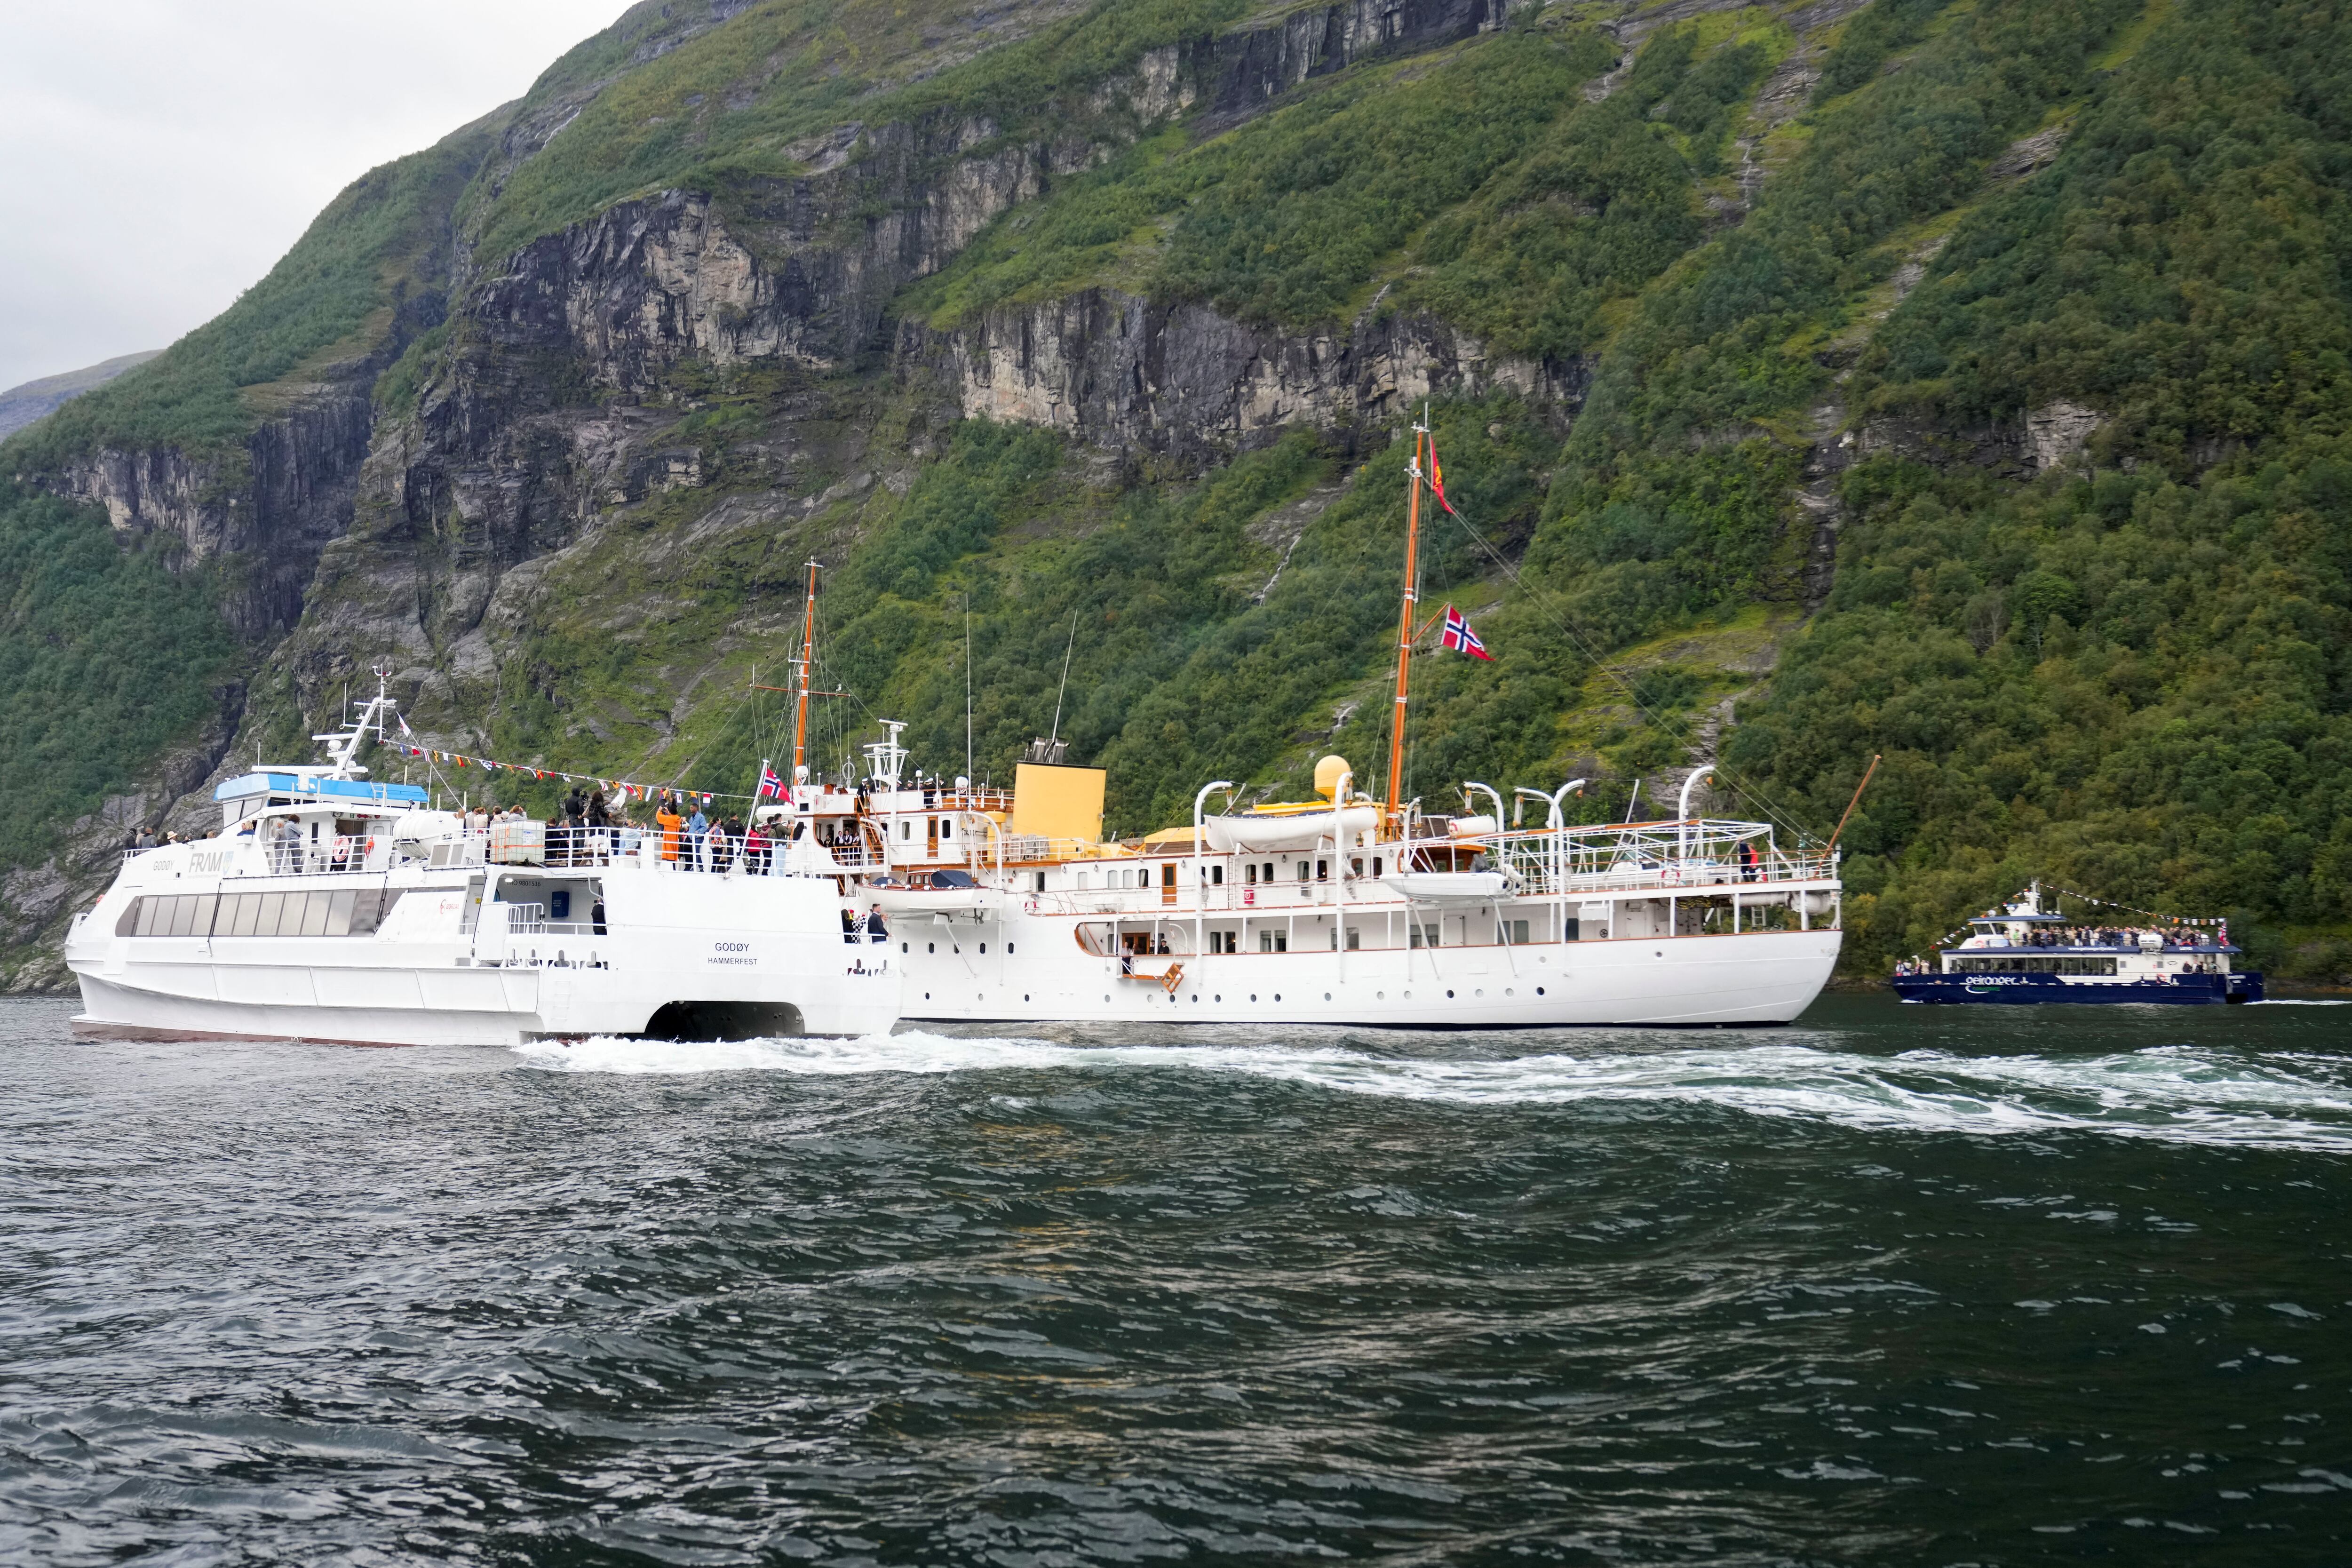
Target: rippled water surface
(1889, 1285)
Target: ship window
(906, 829)
(1513, 932)
(1356, 867)
(1249, 873)
(1041, 881)
(1302, 871)
(264, 921)
(339, 915)
(1273, 941)
(1322, 870)
(314, 913)
(947, 827)
(1266, 874)
(1376, 865)
(1354, 939)
(1217, 876)
(1424, 935)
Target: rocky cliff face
(1115, 369)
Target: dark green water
(1999, 1286)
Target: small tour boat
(2022, 952)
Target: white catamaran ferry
(332, 907)
(1010, 906)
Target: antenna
(967, 681)
(1066, 674)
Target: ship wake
(2179, 1094)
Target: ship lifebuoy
(1670, 877)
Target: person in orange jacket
(671, 825)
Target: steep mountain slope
(1962, 382)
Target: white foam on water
(2174, 1094)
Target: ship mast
(1405, 628)
(806, 661)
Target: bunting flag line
(624, 789)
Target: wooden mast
(1404, 630)
(807, 658)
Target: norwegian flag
(770, 785)
(1460, 637)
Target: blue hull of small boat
(2185, 990)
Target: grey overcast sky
(157, 156)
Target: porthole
(1380, 995)
(1218, 998)
(927, 995)
(1660, 954)
(1025, 996)
(1480, 992)
(1105, 999)
(930, 947)
(1539, 990)
(1326, 995)
(1509, 992)
(1253, 995)
(984, 947)
(1408, 996)
(1008, 948)
(905, 948)
(1449, 995)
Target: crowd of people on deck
(2109, 936)
(588, 827)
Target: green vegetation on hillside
(731, 103)
(106, 659)
(2127, 675)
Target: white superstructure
(332, 906)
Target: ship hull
(2030, 989)
(1758, 978)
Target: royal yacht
(2024, 952)
(1010, 906)
(334, 907)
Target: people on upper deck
(672, 825)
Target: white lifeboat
(947, 892)
(1255, 833)
(1451, 886)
